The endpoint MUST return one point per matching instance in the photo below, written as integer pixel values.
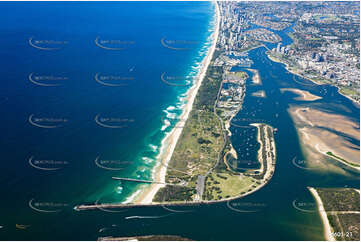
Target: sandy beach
(302, 94)
(268, 145)
(260, 93)
(170, 141)
(256, 79)
(321, 209)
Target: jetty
(138, 180)
(183, 183)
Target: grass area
(240, 74)
(348, 91)
(200, 146)
(224, 185)
(327, 17)
(200, 143)
(339, 158)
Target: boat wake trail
(147, 217)
(177, 211)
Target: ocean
(89, 91)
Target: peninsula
(199, 163)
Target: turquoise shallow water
(81, 140)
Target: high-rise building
(279, 47)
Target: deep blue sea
(89, 91)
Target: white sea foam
(147, 160)
(153, 147)
(119, 189)
(170, 115)
(166, 124)
(131, 197)
(170, 108)
(181, 105)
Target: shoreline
(323, 214)
(168, 145)
(313, 81)
(267, 177)
(267, 145)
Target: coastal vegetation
(340, 199)
(204, 156)
(340, 158)
(200, 143)
(342, 206)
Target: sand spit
(256, 79)
(260, 93)
(321, 210)
(320, 133)
(302, 94)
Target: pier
(138, 180)
(148, 181)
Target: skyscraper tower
(279, 47)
